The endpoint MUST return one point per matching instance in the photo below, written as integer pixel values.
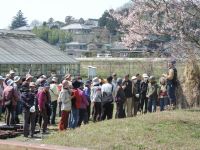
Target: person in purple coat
(83, 115)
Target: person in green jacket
(152, 94)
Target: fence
(122, 66)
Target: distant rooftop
(76, 26)
(76, 43)
(24, 28)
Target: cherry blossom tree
(177, 19)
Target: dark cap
(109, 79)
(76, 84)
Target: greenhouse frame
(24, 53)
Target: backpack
(107, 98)
(175, 80)
(8, 96)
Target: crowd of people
(79, 102)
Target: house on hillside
(76, 49)
(23, 52)
(92, 22)
(118, 49)
(77, 28)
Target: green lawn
(168, 130)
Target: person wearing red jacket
(43, 99)
(76, 104)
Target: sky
(42, 10)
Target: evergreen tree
(109, 22)
(18, 21)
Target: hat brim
(145, 77)
(29, 77)
(16, 80)
(95, 83)
(11, 83)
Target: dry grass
(191, 83)
(167, 130)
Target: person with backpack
(54, 98)
(87, 92)
(172, 82)
(1, 94)
(143, 93)
(96, 99)
(120, 100)
(10, 98)
(65, 99)
(28, 104)
(107, 91)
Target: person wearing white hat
(96, 99)
(1, 93)
(65, 99)
(12, 74)
(54, 98)
(16, 85)
(143, 93)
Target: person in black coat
(143, 93)
(28, 105)
(120, 100)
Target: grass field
(178, 129)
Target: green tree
(53, 36)
(18, 21)
(109, 22)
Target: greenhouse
(24, 53)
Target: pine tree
(18, 21)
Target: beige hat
(32, 84)
(133, 78)
(67, 76)
(28, 76)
